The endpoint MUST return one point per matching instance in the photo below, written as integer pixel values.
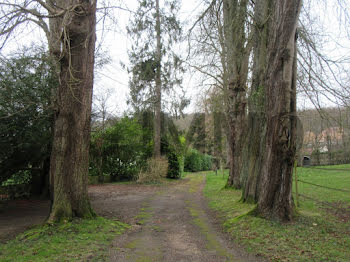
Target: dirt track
(169, 222)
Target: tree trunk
(237, 132)
(217, 121)
(158, 89)
(253, 156)
(70, 152)
(256, 127)
(275, 195)
(235, 15)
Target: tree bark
(237, 133)
(217, 121)
(253, 156)
(275, 194)
(70, 152)
(158, 88)
(256, 127)
(235, 16)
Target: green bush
(174, 166)
(206, 162)
(196, 161)
(20, 178)
(192, 161)
(118, 151)
(168, 148)
(27, 84)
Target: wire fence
(328, 169)
(319, 202)
(331, 188)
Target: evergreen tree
(155, 68)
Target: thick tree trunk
(70, 153)
(253, 156)
(256, 127)
(237, 133)
(235, 15)
(275, 194)
(158, 90)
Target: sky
(112, 79)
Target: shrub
(18, 185)
(118, 151)
(193, 161)
(168, 148)
(27, 85)
(174, 166)
(196, 161)
(207, 162)
(19, 178)
(156, 169)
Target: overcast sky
(114, 41)
(114, 78)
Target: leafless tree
(222, 42)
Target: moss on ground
(78, 240)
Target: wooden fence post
(296, 183)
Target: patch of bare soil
(120, 201)
(18, 215)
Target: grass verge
(315, 235)
(79, 240)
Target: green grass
(315, 235)
(79, 240)
(329, 178)
(344, 166)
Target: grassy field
(320, 232)
(328, 178)
(79, 240)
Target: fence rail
(297, 194)
(328, 169)
(331, 188)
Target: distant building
(331, 135)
